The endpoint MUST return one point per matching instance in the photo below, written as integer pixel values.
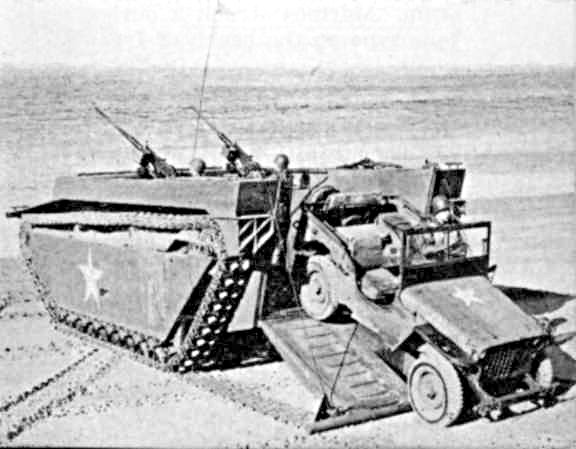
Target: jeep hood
(471, 312)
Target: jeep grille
(506, 361)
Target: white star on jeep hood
(91, 275)
(467, 295)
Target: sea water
(511, 128)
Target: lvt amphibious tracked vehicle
(394, 308)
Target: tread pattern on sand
(43, 398)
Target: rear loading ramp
(339, 362)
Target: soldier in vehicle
(442, 211)
(238, 162)
(151, 166)
(146, 167)
(197, 166)
(282, 162)
(280, 169)
(444, 215)
(433, 245)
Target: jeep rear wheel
(316, 296)
(435, 389)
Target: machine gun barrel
(161, 168)
(144, 149)
(239, 160)
(223, 137)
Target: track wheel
(114, 337)
(80, 324)
(128, 342)
(160, 354)
(89, 329)
(435, 389)
(144, 348)
(102, 333)
(316, 295)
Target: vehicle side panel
(141, 289)
(219, 196)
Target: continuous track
(197, 350)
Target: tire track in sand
(34, 351)
(41, 400)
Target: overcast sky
(290, 33)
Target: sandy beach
(511, 130)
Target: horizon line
(333, 68)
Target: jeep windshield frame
(452, 257)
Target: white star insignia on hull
(91, 276)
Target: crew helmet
(197, 166)
(281, 161)
(440, 204)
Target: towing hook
(492, 409)
(499, 413)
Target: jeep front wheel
(435, 389)
(316, 295)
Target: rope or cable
(291, 282)
(296, 296)
(341, 365)
(204, 76)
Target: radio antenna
(205, 72)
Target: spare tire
(320, 194)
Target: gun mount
(160, 168)
(238, 160)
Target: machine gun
(161, 168)
(239, 161)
